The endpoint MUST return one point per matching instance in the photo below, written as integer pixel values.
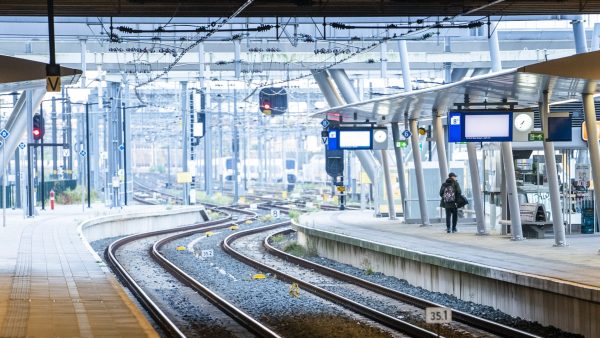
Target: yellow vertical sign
(53, 83)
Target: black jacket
(457, 192)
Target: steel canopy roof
(564, 78)
(19, 74)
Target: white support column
(388, 185)
(511, 192)
(557, 219)
(405, 65)
(589, 109)
(438, 132)
(476, 185)
(414, 140)
(400, 168)
(494, 46)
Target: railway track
(380, 317)
(466, 322)
(477, 322)
(162, 319)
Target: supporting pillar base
(482, 234)
(516, 239)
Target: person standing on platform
(449, 193)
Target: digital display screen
(559, 129)
(480, 126)
(488, 127)
(355, 138)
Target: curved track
(489, 326)
(368, 312)
(154, 310)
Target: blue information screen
(480, 126)
(333, 139)
(454, 126)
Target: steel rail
(157, 314)
(231, 310)
(368, 312)
(463, 317)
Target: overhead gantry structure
(535, 86)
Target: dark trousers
(451, 212)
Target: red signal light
(36, 132)
(267, 106)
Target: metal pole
(184, 138)
(3, 186)
(557, 217)
(124, 123)
(87, 149)
(235, 144)
(51, 32)
(593, 147)
(400, 168)
(383, 60)
(29, 103)
(18, 177)
(476, 185)
(54, 140)
(414, 140)
(438, 132)
(43, 188)
(511, 191)
(388, 185)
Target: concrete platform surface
(51, 286)
(579, 262)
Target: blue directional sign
(406, 133)
(121, 147)
(83, 153)
(22, 145)
(4, 133)
(325, 123)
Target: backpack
(449, 196)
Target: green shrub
(73, 196)
(295, 249)
(266, 218)
(277, 238)
(294, 215)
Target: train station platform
(531, 279)
(52, 286)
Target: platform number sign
(438, 315)
(275, 213)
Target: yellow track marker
(209, 233)
(181, 248)
(259, 276)
(234, 227)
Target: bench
(534, 221)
